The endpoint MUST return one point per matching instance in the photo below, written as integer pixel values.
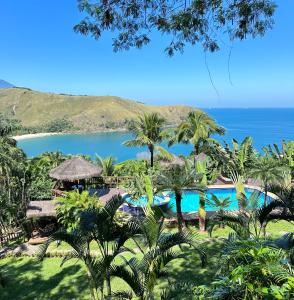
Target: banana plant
(107, 165)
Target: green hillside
(34, 109)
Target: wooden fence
(10, 235)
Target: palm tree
(268, 171)
(176, 179)
(158, 248)
(219, 203)
(201, 168)
(107, 165)
(252, 220)
(148, 130)
(197, 130)
(97, 225)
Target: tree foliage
(158, 247)
(148, 131)
(14, 182)
(203, 22)
(197, 130)
(41, 184)
(177, 178)
(70, 207)
(250, 270)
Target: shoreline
(44, 134)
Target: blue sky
(40, 50)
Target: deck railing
(10, 235)
(99, 182)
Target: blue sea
(266, 126)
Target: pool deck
(35, 208)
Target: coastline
(44, 134)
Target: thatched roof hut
(176, 160)
(74, 169)
(42, 208)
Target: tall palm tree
(148, 130)
(201, 168)
(158, 247)
(176, 179)
(268, 171)
(99, 226)
(196, 130)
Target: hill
(5, 85)
(35, 109)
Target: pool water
(190, 199)
(142, 201)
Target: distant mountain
(91, 113)
(5, 85)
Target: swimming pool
(190, 199)
(142, 201)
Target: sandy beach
(35, 135)
(43, 134)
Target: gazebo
(73, 171)
(75, 168)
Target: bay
(266, 126)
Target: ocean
(265, 125)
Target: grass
(29, 278)
(86, 112)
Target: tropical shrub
(70, 206)
(13, 183)
(131, 168)
(97, 225)
(41, 184)
(8, 125)
(285, 155)
(252, 220)
(269, 172)
(107, 165)
(158, 247)
(250, 270)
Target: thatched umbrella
(75, 168)
(44, 208)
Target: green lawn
(30, 279)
